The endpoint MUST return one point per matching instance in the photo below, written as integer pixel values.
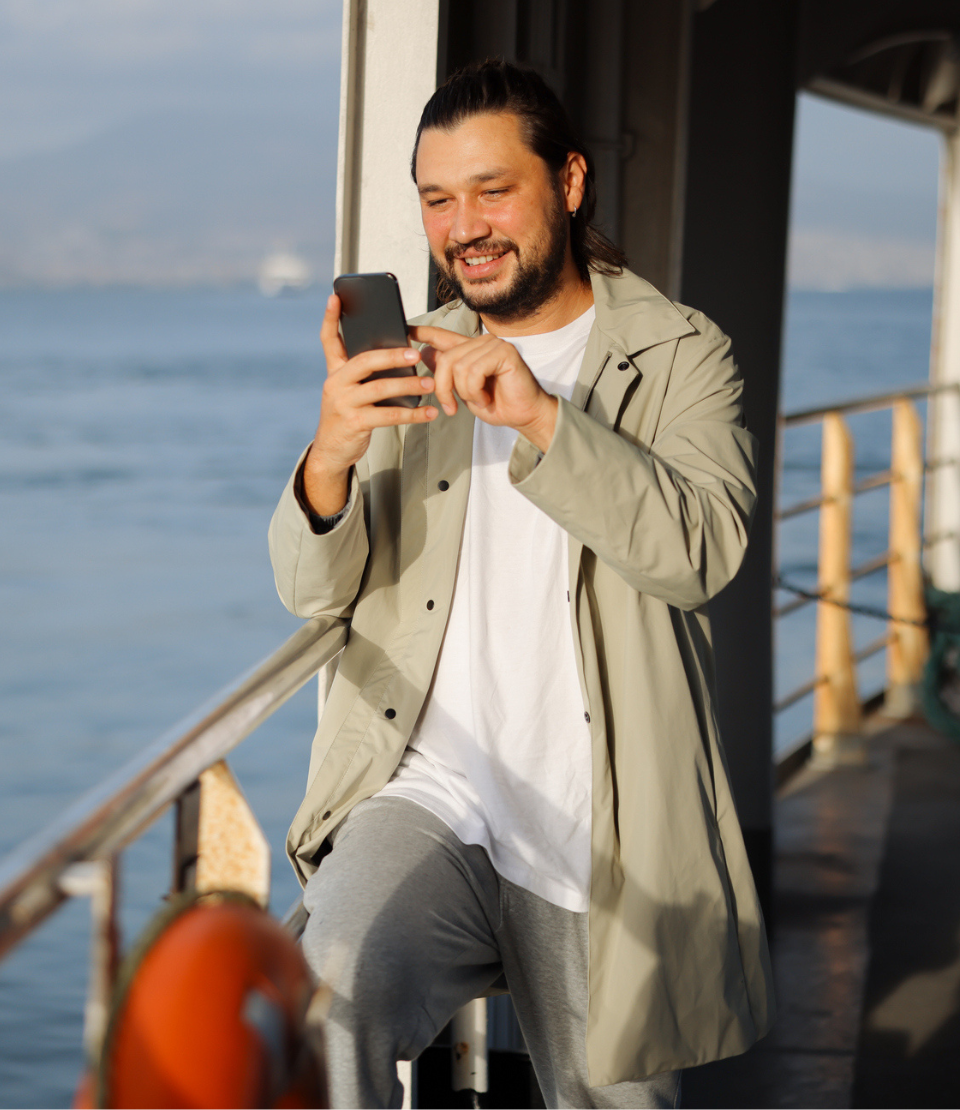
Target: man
(517, 778)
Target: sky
(194, 92)
(864, 198)
(69, 69)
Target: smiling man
(517, 780)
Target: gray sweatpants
(408, 924)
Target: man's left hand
(492, 380)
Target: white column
(389, 70)
(943, 490)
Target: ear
(573, 180)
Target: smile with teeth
(480, 259)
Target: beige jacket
(650, 472)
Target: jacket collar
(633, 315)
(630, 313)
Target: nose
(469, 224)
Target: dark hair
(497, 86)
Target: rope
(861, 610)
(940, 684)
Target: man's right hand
(348, 412)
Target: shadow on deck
(866, 933)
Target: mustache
(481, 246)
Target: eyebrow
(476, 179)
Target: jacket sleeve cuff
(320, 525)
(317, 573)
(525, 458)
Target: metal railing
(838, 709)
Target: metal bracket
(232, 852)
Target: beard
(536, 279)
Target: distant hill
(177, 197)
(170, 199)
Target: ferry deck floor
(866, 937)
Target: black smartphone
(371, 319)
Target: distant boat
(284, 272)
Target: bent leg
(401, 926)
(545, 956)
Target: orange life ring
(210, 1011)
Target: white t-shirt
(501, 752)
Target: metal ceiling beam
(861, 98)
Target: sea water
(144, 439)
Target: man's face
(495, 216)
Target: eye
(436, 203)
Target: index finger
(439, 338)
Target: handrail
(117, 810)
(865, 404)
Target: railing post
(98, 880)
(836, 715)
(469, 1033)
(908, 642)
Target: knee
(377, 993)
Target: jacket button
(328, 815)
(390, 714)
(586, 717)
(429, 604)
(443, 486)
(623, 365)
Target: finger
(368, 393)
(392, 358)
(448, 365)
(443, 387)
(471, 370)
(439, 338)
(398, 414)
(472, 387)
(333, 348)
